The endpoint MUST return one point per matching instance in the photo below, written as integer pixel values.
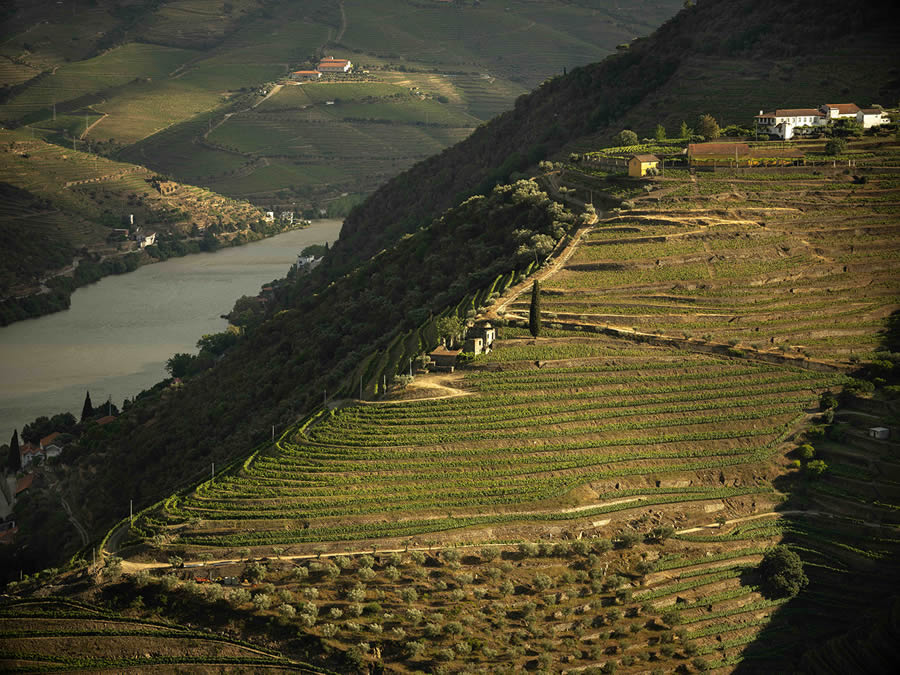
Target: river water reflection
(117, 335)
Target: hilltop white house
(332, 66)
(785, 122)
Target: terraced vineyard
(607, 428)
(728, 261)
(614, 484)
(57, 634)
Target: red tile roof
(646, 158)
(443, 351)
(305, 72)
(871, 111)
(844, 108)
(46, 440)
(106, 420)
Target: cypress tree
(15, 459)
(534, 315)
(88, 410)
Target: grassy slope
(665, 78)
(476, 59)
(71, 199)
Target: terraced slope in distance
(795, 262)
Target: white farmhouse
(783, 122)
(838, 111)
(872, 117)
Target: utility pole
(273, 433)
(212, 471)
(360, 387)
(131, 512)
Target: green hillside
(62, 207)
(700, 61)
(155, 78)
(679, 471)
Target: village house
(444, 359)
(143, 238)
(639, 165)
(879, 433)
(784, 122)
(872, 117)
(837, 111)
(301, 75)
(29, 452)
(332, 66)
(787, 123)
(479, 338)
(48, 439)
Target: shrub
(806, 451)
(816, 468)
(542, 582)
(836, 146)
(629, 539)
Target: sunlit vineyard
(519, 446)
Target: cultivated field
(600, 496)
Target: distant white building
(837, 111)
(307, 262)
(332, 66)
(872, 117)
(287, 216)
(270, 217)
(783, 121)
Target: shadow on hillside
(847, 620)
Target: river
(117, 335)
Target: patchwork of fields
(184, 96)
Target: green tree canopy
(179, 365)
(627, 137)
(836, 146)
(708, 127)
(449, 328)
(87, 410)
(782, 572)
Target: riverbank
(115, 338)
(55, 290)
